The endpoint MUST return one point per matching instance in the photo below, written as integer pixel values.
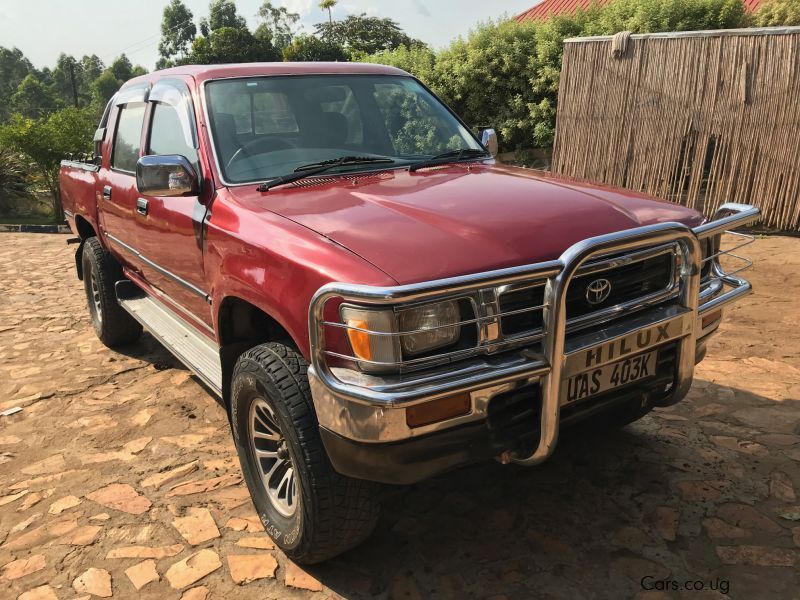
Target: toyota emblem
(598, 291)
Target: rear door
(116, 182)
(169, 229)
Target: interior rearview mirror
(489, 140)
(166, 175)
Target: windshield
(266, 127)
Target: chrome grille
(631, 281)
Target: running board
(189, 346)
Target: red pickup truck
(375, 299)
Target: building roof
(540, 11)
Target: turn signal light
(359, 340)
(438, 410)
(711, 318)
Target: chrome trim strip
(742, 215)
(69, 214)
(191, 287)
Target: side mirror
(489, 140)
(166, 175)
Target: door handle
(141, 206)
(106, 192)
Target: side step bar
(192, 348)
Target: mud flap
(79, 259)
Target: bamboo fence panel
(699, 118)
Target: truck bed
(78, 184)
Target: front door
(169, 229)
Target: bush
(777, 13)
(505, 74)
(15, 179)
(418, 60)
(312, 48)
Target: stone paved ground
(119, 472)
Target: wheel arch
(85, 230)
(242, 325)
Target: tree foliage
(14, 67)
(177, 32)
(506, 74)
(328, 5)
(33, 98)
(47, 140)
(312, 48)
(231, 45)
(222, 14)
(774, 13)
(360, 33)
(277, 25)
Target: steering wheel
(259, 146)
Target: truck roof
(206, 72)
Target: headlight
(432, 322)
(434, 326)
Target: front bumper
(363, 417)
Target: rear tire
(101, 272)
(310, 511)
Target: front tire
(101, 272)
(310, 511)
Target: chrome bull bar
(359, 408)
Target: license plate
(596, 381)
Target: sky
(43, 29)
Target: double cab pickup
(372, 296)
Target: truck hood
(459, 219)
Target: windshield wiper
(448, 156)
(308, 170)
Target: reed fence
(700, 118)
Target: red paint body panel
(274, 263)
(460, 219)
(276, 249)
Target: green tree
(222, 14)
(14, 67)
(229, 45)
(277, 25)
(122, 68)
(104, 87)
(311, 48)
(177, 32)
(67, 79)
(46, 140)
(360, 33)
(33, 98)
(328, 5)
(773, 13)
(92, 67)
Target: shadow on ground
(608, 509)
